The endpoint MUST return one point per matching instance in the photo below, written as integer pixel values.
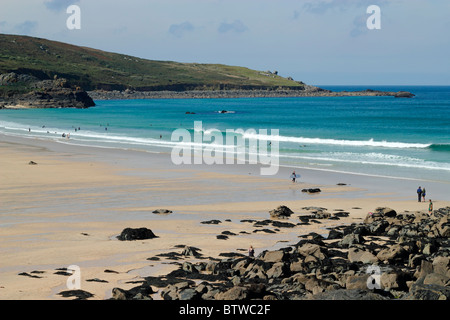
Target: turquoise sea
(381, 136)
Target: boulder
(350, 240)
(436, 279)
(311, 249)
(393, 280)
(358, 255)
(441, 265)
(421, 291)
(281, 212)
(129, 234)
(274, 256)
(394, 253)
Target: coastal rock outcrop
(25, 91)
(353, 263)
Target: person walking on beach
(430, 207)
(293, 176)
(419, 194)
(251, 252)
(423, 194)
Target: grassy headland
(94, 69)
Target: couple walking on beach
(421, 192)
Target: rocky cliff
(26, 91)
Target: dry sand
(69, 207)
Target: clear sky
(319, 42)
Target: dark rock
(78, 294)
(162, 211)
(281, 224)
(191, 251)
(281, 212)
(211, 222)
(96, 280)
(129, 234)
(421, 291)
(312, 190)
(29, 275)
(335, 234)
(404, 94)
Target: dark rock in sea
(130, 234)
(404, 94)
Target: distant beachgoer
(251, 252)
(430, 207)
(293, 176)
(419, 194)
(423, 194)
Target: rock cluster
(30, 92)
(306, 91)
(389, 256)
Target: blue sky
(319, 42)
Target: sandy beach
(68, 208)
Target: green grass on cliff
(94, 69)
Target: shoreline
(69, 207)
